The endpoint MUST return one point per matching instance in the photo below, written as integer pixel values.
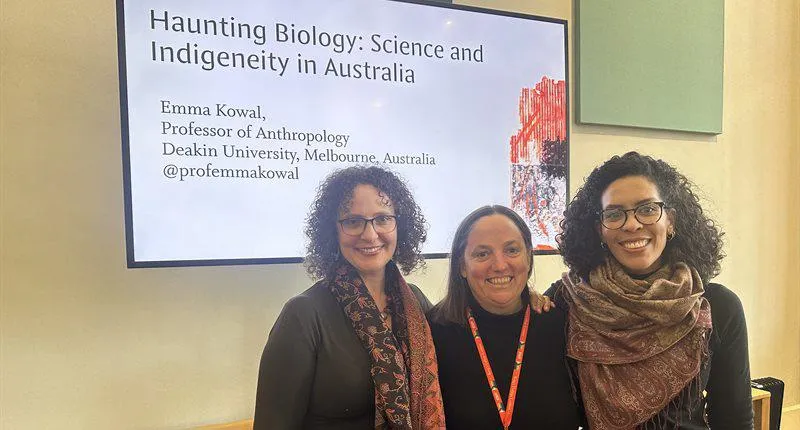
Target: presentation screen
(234, 112)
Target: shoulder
(725, 304)
(432, 316)
(556, 294)
(555, 288)
(729, 328)
(309, 305)
(417, 292)
(553, 321)
(720, 293)
(425, 304)
(441, 328)
(449, 338)
(310, 298)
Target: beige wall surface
(88, 344)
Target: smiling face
(496, 264)
(370, 251)
(636, 246)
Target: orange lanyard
(505, 413)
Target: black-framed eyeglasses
(356, 225)
(646, 213)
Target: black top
(544, 397)
(314, 372)
(725, 376)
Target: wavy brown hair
(697, 241)
(335, 192)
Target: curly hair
(333, 195)
(697, 241)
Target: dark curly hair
(334, 193)
(697, 241)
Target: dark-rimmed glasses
(646, 213)
(356, 225)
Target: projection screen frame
(125, 140)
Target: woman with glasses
(648, 334)
(354, 351)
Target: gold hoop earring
(670, 235)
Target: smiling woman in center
(500, 365)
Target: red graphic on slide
(543, 115)
(538, 156)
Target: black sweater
(725, 376)
(315, 373)
(544, 397)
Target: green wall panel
(651, 64)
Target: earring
(670, 235)
(603, 245)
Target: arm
(287, 368)
(554, 294)
(554, 289)
(541, 303)
(730, 405)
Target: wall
(89, 344)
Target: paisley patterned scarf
(638, 343)
(404, 371)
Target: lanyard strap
(505, 413)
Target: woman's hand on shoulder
(541, 303)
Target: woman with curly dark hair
(354, 351)
(647, 333)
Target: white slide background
(460, 113)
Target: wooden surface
(238, 425)
(761, 409)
